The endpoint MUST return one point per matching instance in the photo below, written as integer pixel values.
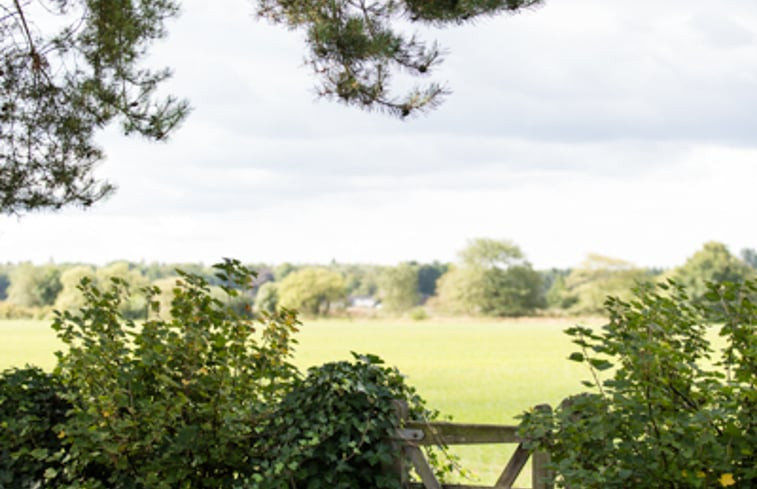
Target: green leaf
(600, 364)
(576, 357)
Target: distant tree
(713, 263)
(70, 68)
(359, 280)
(267, 298)
(586, 288)
(311, 291)
(554, 278)
(428, 275)
(281, 271)
(398, 288)
(493, 279)
(490, 254)
(265, 275)
(70, 297)
(136, 306)
(4, 282)
(460, 291)
(166, 286)
(558, 296)
(749, 256)
(34, 286)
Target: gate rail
(416, 434)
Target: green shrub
(31, 407)
(664, 418)
(332, 429)
(8, 310)
(176, 402)
(205, 397)
(418, 314)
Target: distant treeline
(490, 278)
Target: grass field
(474, 370)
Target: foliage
(494, 279)
(32, 286)
(311, 291)
(355, 46)
(197, 399)
(176, 402)
(713, 263)
(282, 270)
(70, 297)
(339, 417)
(489, 253)
(586, 287)
(459, 291)
(516, 291)
(4, 282)
(558, 295)
(266, 299)
(8, 310)
(418, 314)
(59, 87)
(360, 280)
(166, 286)
(398, 288)
(428, 276)
(664, 418)
(135, 305)
(749, 256)
(31, 406)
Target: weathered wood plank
(398, 464)
(459, 433)
(513, 468)
(539, 473)
(423, 468)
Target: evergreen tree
(60, 86)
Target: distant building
(363, 302)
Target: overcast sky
(623, 128)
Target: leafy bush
(332, 429)
(30, 407)
(202, 398)
(8, 310)
(665, 418)
(418, 314)
(176, 402)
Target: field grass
(474, 370)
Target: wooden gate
(416, 434)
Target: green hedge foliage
(31, 406)
(203, 397)
(672, 413)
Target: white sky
(623, 128)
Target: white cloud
(624, 128)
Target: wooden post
(541, 476)
(401, 410)
(513, 468)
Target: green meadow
(484, 371)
